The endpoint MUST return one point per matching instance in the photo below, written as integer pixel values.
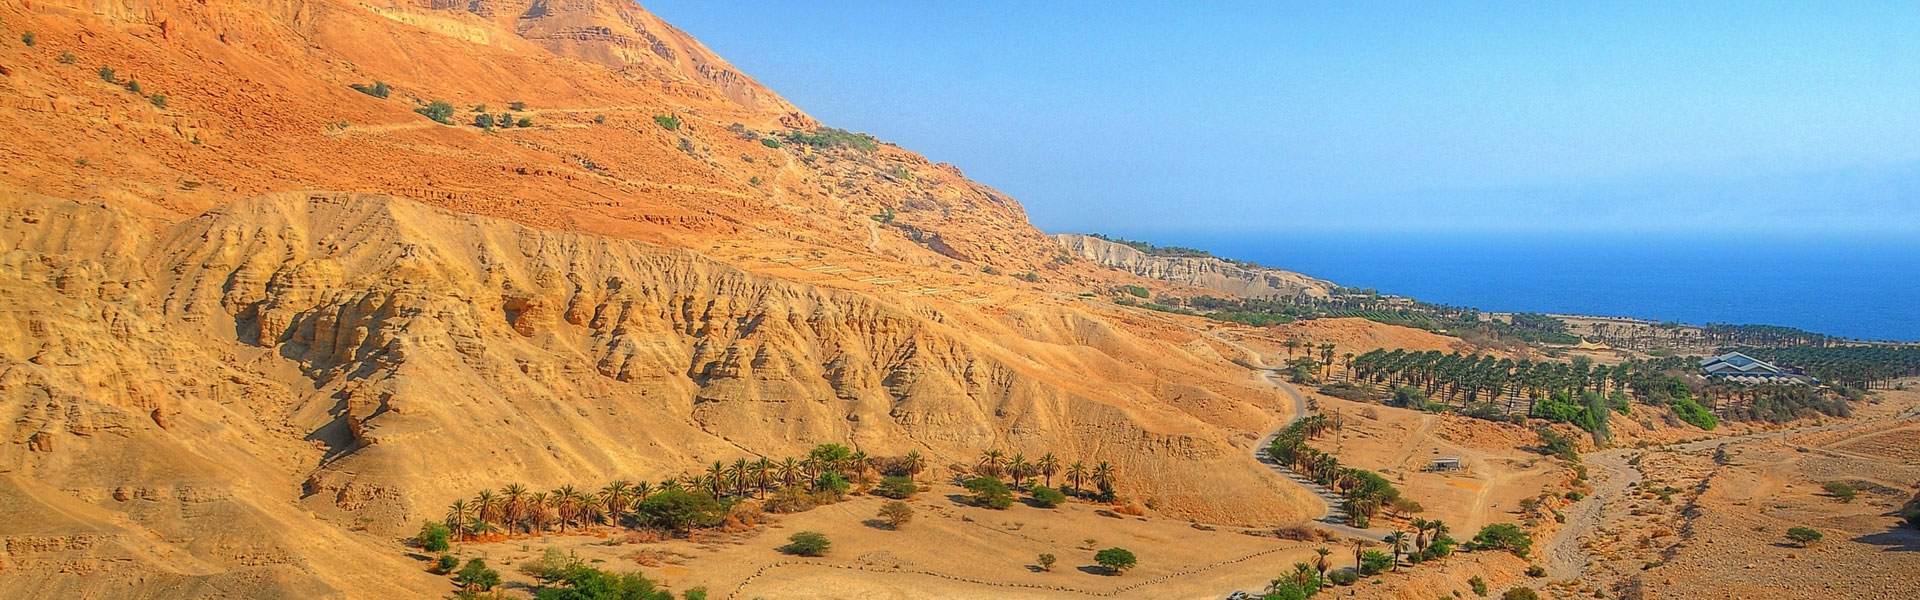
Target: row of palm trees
(516, 509)
(1366, 493)
(1428, 533)
(997, 464)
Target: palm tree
(614, 499)
(1018, 467)
(1048, 465)
(1359, 545)
(858, 463)
(641, 491)
(1103, 476)
(716, 478)
(789, 470)
(514, 499)
(566, 503)
(670, 484)
(459, 516)
(486, 506)
(990, 462)
(590, 508)
(763, 475)
(1420, 538)
(1320, 562)
(1076, 474)
(1398, 541)
(742, 476)
(1290, 344)
(915, 464)
(539, 511)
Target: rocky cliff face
(269, 388)
(1204, 272)
(216, 382)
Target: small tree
(808, 543)
(445, 564)
(1479, 586)
(1841, 491)
(990, 492)
(1047, 497)
(525, 122)
(1804, 536)
(1116, 559)
(134, 86)
(1047, 561)
(680, 509)
(159, 100)
(896, 513)
(433, 536)
(483, 121)
(106, 74)
(1504, 536)
(476, 577)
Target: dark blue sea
(1858, 288)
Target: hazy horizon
(1380, 117)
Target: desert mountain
(258, 324)
(1212, 273)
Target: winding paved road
(1325, 496)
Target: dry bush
(1299, 532)
(789, 500)
(1131, 509)
(644, 535)
(748, 513)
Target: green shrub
(106, 74)
(808, 543)
(476, 576)
(588, 583)
(159, 100)
(1693, 413)
(1373, 562)
(990, 492)
(833, 484)
(378, 89)
(597, 119)
(1137, 290)
(1116, 559)
(899, 487)
(483, 121)
(1557, 444)
(828, 137)
(1479, 586)
(1536, 571)
(668, 122)
(434, 536)
(438, 110)
(445, 564)
(1520, 593)
(1840, 490)
(28, 39)
(517, 106)
(553, 565)
(525, 122)
(770, 142)
(67, 58)
(1047, 497)
(1804, 536)
(1343, 577)
(134, 86)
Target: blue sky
(1138, 118)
